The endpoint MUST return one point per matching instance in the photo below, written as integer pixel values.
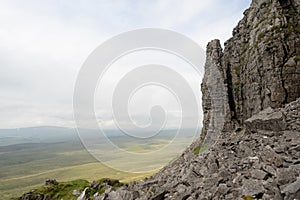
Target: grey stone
(292, 191)
(286, 175)
(258, 174)
(252, 187)
(269, 170)
(268, 119)
(83, 195)
(76, 192)
(223, 189)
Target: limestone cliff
(262, 59)
(260, 63)
(251, 105)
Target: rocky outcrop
(276, 119)
(258, 163)
(260, 66)
(260, 63)
(262, 59)
(215, 95)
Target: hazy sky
(44, 43)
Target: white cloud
(44, 43)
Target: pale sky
(44, 43)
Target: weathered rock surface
(261, 60)
(261, 164)
(215, 99)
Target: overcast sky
(44, 43)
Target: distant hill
(42, 134)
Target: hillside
(251, 103)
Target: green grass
(200, 149)
(64, 190)
(16, 186)
(25, 167)
(23, 170)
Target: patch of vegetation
(237, 70)
(197, 150)
(297, 58)
(247, 197)
(24, 167)
(260, 36)
(292, 12)
(237, 89)
(244, 60)
(200, 149)
(62, 190)
(246, 47)
(63, 162)
(297, 29)
(65, 190)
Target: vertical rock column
(214, 95)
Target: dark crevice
(230, 93)
(259, 195)
(218, 164)
(242, 102)
(288, 4)
(197, 174)
(186, 197)
(285, 59)
(260, 83)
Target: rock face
(251, 104)
(261, 60)
(260, 66)
(215, 99)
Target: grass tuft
(200, 149)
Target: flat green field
(26, 166)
